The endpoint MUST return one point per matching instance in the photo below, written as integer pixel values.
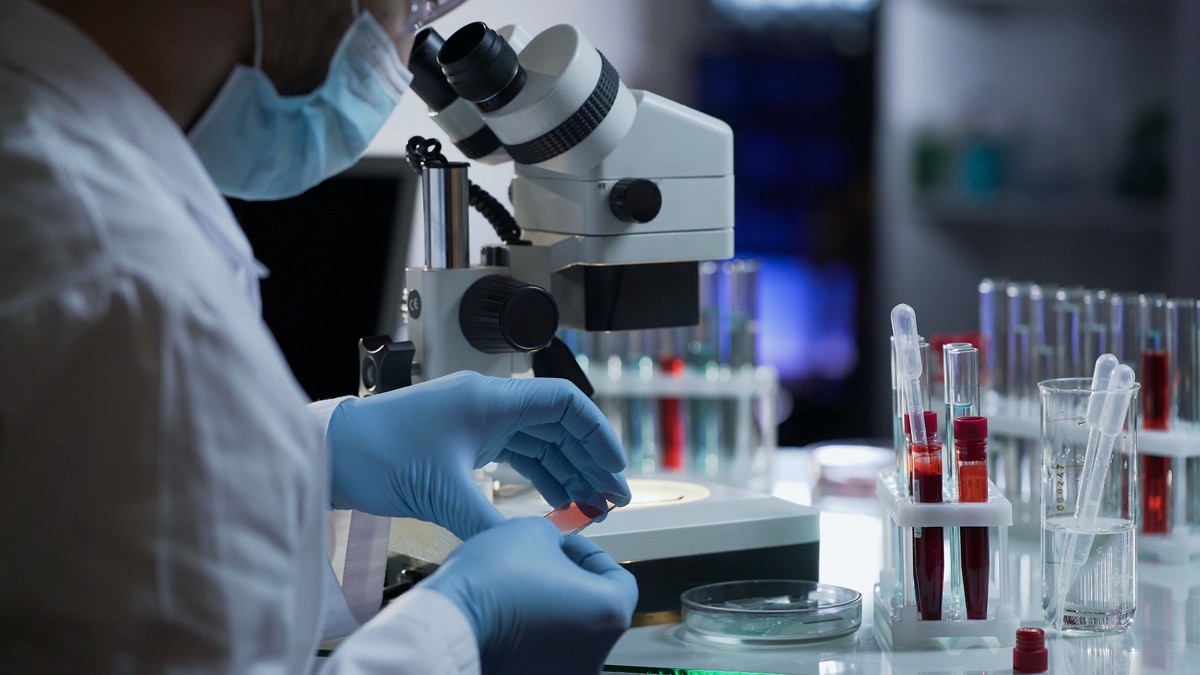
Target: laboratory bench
(1164, 637)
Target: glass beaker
(1099, 593)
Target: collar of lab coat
(49, 48)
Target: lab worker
(166, 491)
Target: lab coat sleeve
(420, 632)
(357, 555)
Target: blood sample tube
(928, 554)
(931, 422)
(970, 440)
(1156, 414)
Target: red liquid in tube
(970, 441)
(671, 416)
(928, 554)
(931, 425)
(1156, 413)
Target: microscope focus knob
(635, 200)
(501, 315)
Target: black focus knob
(501, 315)
(635, 200)
(384, 365)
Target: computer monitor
(336, 256)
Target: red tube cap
(1030, 656)
(971, 429)
(930, 424)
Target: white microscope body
(618, 194)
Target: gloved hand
(410, 452)
(538, 602)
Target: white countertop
(1165, 637)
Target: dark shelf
(1067, 212)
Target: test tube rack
(743, 397)
(1169, 597)
(1181, 544)
(898, 624)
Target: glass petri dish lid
(770, 612)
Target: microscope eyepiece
(482, 67)
(429, 82)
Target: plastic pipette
(1106, 411)
(908, 367)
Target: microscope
(617, 196)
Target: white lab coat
(163, 488)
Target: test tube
(743, 433)
(926, 370)
(993, 310)
(1155, 363)
(962, 392)
(1184, 355)
(742, 284)
(1094, 330)
(1045, 355)
(1026, 335)
(1125, 328)
(961, 371)
(1156, 412)
(1183, 347)
(1068, 318)
(704, 357)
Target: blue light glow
(807, 318)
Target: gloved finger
(600, 446)
(589, 455)
(467, 509)
(545, 483)
(552, 401)
(588, 555)
(591, 558)
(579, 482)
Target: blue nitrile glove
(538, 602)
(410, 452)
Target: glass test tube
(1156, 412)
(962, 391)
(1045, 357)
(1183, 347)
(1067, 322)
(704, 357)
(993, 310)
(1125, 328)
(1026, 334)
(961, 370)
(742, 282)
(740, 279)
(1094, 330)
(1184, 353)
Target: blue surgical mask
(257, 144)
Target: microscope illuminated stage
(679, 534)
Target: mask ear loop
(256, 8)
(354, 8)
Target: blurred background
(886, 151)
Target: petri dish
(770, 612)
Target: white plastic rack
(897, 622)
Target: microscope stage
(680, 533)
